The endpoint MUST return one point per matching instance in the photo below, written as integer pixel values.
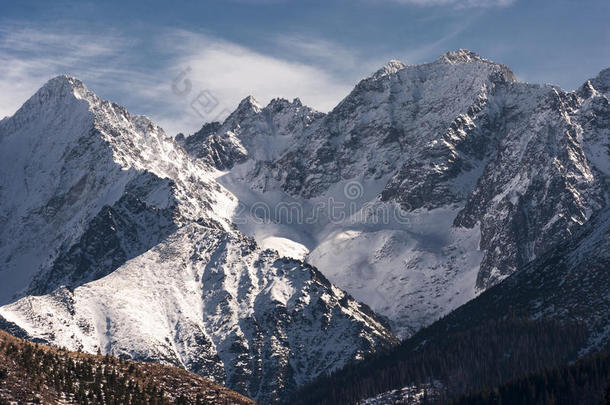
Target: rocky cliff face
(568, 283)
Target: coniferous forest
(585, 382)
(34, 373)
(475, 360)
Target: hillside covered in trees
(34, 373)
(464, 361)
(585, 382)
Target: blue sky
(132, 52)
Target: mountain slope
(42, 374)
(552, 311)
(459, 174)
(213, 304)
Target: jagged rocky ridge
(117, 240)
(490, 173)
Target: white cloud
(231, 72)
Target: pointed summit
(63, 81)
(249, 103)
(247, 107)
(60, 94)
(59, 90)
(390, 68)
(61, 86)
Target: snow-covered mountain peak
(251, 131)
(70, 162)
(249, 104)
(62, 93)
(391, 67)
(461, 173)
(463, 61)
(63, 84)
(247, 108)
(460, 140)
